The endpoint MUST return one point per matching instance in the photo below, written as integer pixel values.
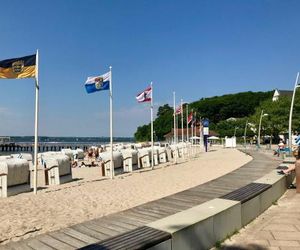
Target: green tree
(161, 125)
(217, 109)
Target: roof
(179, 132)
(285, 92)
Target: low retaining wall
(202, 226)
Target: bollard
(297, 170)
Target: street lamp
(259, 127)
(235, 131)
(245, 133)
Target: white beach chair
(14, 177)
(57, 168)
(130, 158)
(175, 151)
(79, 152)
(169, 154)
(155, 155)
(144, 158)
(25, 156)
(69, 152)
(162, 153)
(5, 157)
(105, 158)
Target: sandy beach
(92, 196)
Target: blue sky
(195, 48)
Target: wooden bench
(247, 192)
(289, 160)
(140, 238)
(283, 166)
(250, 196)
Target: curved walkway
(278, 228)
(108, 226)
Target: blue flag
(97, 83)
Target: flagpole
(152, 146)
(177, 130)
(181, 120)
(174, 116)
(291, 112)
(187, 123)
(195, 126)
(111, 124)
(37, 88)
(192, 127)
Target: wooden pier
(29, 148)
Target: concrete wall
(202, 226)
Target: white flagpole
(187, 124)
(152, 146)
(192, 127)
(195, 127)
(181, 120)
(36, 124)
(291, 112)
(177, 130)
(111, 124)
(174, 116)
(174, 103)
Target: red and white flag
(190, 117)
(145, 96)
(178, 110)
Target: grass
(218, 244)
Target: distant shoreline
(69, 140)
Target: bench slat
(247, 192)
(140, 238)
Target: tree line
(244, 107)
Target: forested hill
(216, 109)
(238, 105)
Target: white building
(278, 93)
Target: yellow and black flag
(15, 68)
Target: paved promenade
(278, 228)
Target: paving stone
(287, 221)
(289, 248)
(260, 242)
(264, 235)
(286, 243)
(280, 228)
(286, 235)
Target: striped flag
(190, 117)
(145, 96)
(16, 68)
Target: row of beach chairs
(17, 171)
(142, 157)
(54, 168)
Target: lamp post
(235, 131)
(245, 132)
(291, 112)
(259, 127)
